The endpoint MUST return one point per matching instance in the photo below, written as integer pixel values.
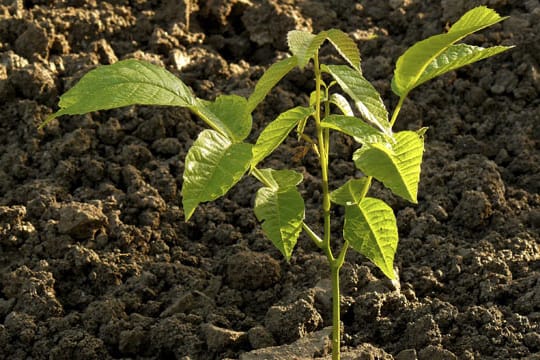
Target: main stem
(335, 264)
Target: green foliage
(370, 227)
(213, 165)
(220, 156)
(280, 208)
(436, 51)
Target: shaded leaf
(370, 228)
(213, 165)
(396, 164)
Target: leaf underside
(280, 208)
(370, 228)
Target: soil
(96, 261)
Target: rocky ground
(96, 261)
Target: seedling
(221, 156)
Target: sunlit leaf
(457, 56)
(276, 132)
(355, 127)
(346, 47)
(281, 179)
(349, 193)
(304, 45)
(127, 82)
(411, 65)
(342, 104)
(370, 228)
(269, 79)
(228, 112)
(366, 98)
(281, 210)
(395, 164)
(213, 165)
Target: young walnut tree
(342, 100)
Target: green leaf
(346, 47)
(281, 211)
(342, 104)
(127, 82)
(349, 193)
(396, 165)
(228, 114)
(411, 65)
(304, 45)
(269, 79)
(365, 96)
(276, 132)
(457, 56)
(370, 228)
(213, 165)
(355, 127)
(281, 179)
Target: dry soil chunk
(251, 270)
(34, 41)
(80, 220)
(34, 292)
(218, 338)
(292, 321)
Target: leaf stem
(313, 236)
(259, 176)
(397, 110)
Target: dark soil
(96, 261)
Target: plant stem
(323, 137)
(336, 313)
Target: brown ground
(96, 261)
